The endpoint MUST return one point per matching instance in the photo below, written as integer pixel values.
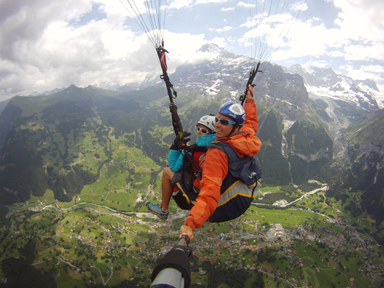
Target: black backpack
(238, 188)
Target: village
(135, 241)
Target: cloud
(47, 52)
(25, 64)
(373, 68)
(184, 47)
(319, 64)
(362, 75)
(373, 9)
(245, 5)
(364, 52)
(299, 6)
(227, 9)
(224, 29)
(58, 54)
(351, 40)
(210, 1)
(21, 22)
(361, 19)
(373, 72)
(177, 4)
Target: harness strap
(252, 75)
(193, 149)
(163, 61)
(172, 94)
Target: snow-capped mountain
(150, 80)
(342, 98)
(216, 65)
(326, 83)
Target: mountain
(366, 171)
(150, 80)
(343, 99)
(62, 141)
(324, 82)
(3, 104)
(310, 129)
(352, 114)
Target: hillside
(366, 173)
(64, 140)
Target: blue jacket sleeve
(175, 160)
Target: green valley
(99, 239)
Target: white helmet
(208, 121)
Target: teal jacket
(175, 158)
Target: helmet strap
(233, 129)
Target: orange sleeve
(215, 169)
(251, 124)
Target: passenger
(205, 135)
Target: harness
(238, 188)
(193, 169)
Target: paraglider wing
(270, 23)
(150, 16)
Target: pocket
(247, 171)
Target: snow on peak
(325, 82)
(211, 48)
(307, 68)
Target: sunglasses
(224, 122)
(202, 130)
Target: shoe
(156, 210)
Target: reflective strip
(182, 191)
(190, 202)
(241, 190)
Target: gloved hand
(177, 144)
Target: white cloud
(373, 68)
(221, 42)
(365, 52)
(335, 53)
(184, 47)
(363, 23)
(224, 29)
(361, 75)
(177, 4)
(28, 62)
(210, 1)
(373, 72)
(246, 5)
(299, 6)
(58, 54)
(373, 11)
(319, 64)
(227, 9)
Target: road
(323, 189)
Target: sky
(47, 44)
